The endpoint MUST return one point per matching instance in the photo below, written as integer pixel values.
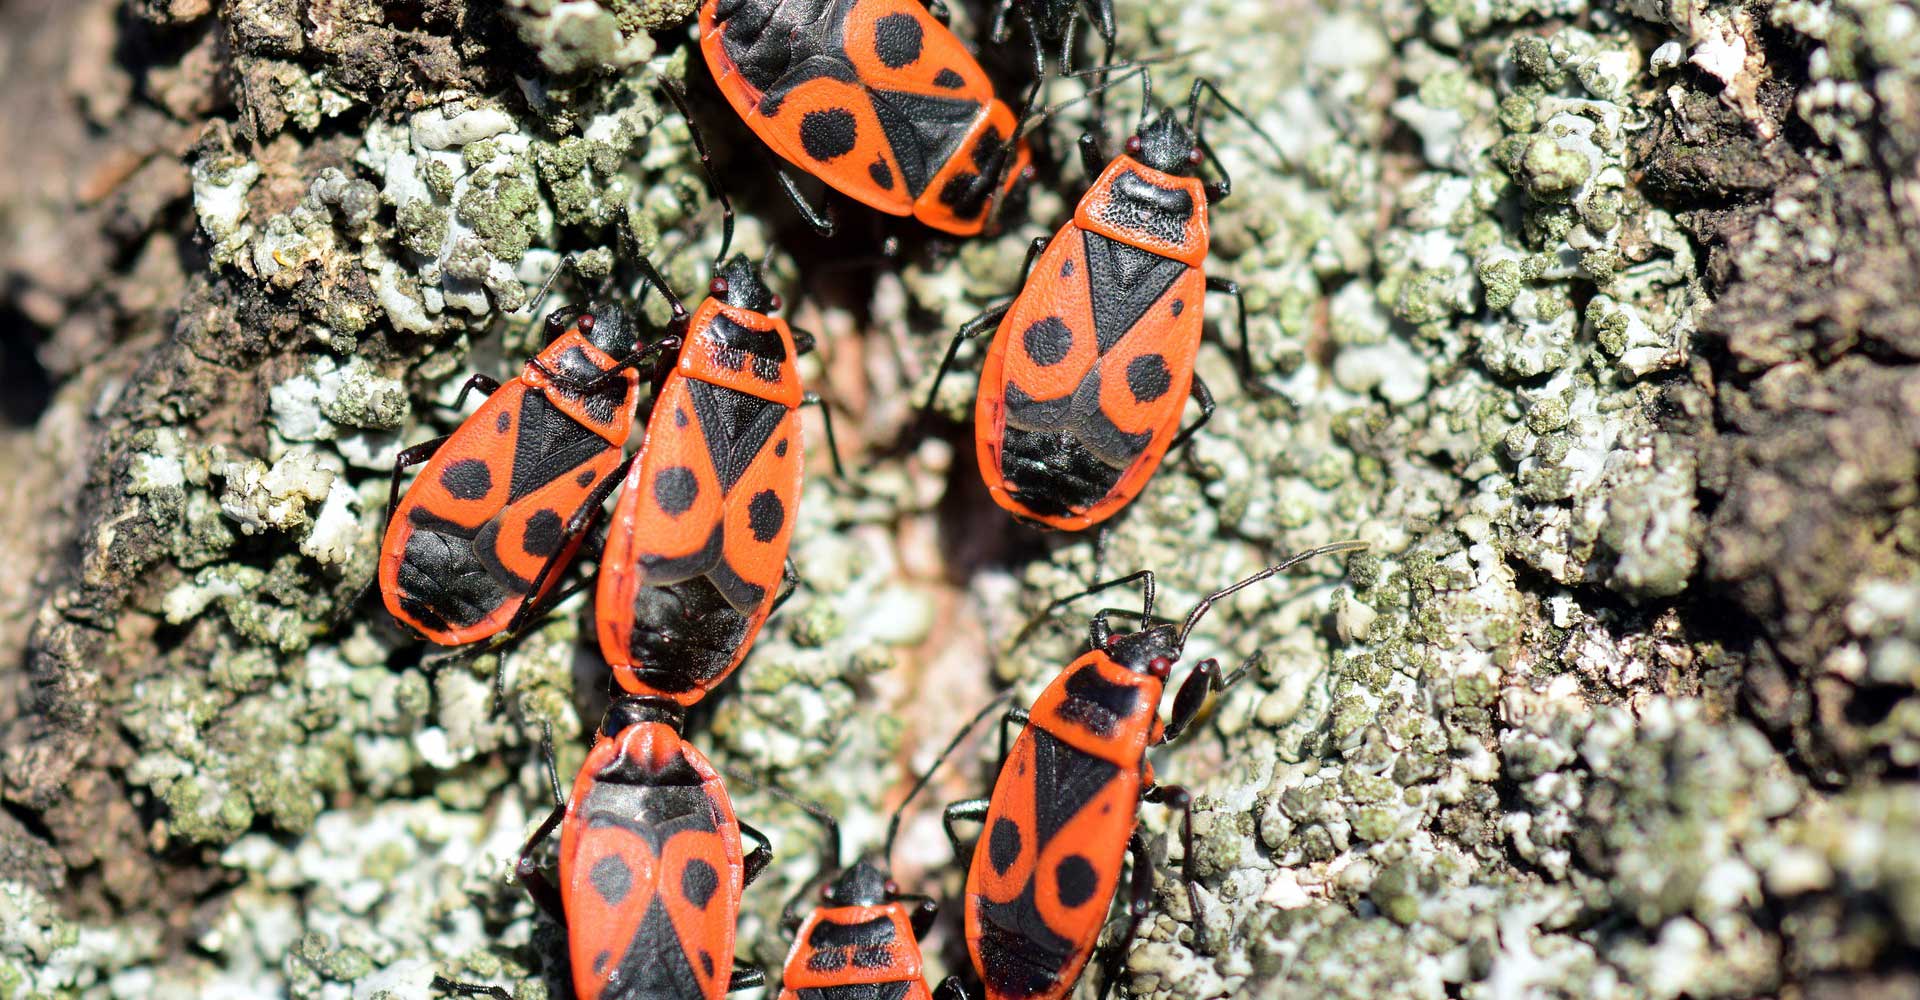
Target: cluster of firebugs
(1080, 397)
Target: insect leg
(532, 878)
(1099, 627)
(1176, 797)
(970, 810)
(1202, 682)
(950, 989)
(1244, 357)
(757, 859)
(1139, 896)
(745, 977)
(820, 218)
(459, 989)
(1204, 396)
(789, 582)
(826, 418)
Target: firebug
(1091, 363)
(1063, 810)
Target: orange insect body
(483, 527)
(855, 946)
(1058, 824)
(874, 97)
(695, 552)
(651, 866)
(1082, 389)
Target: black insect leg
(745, 977)
(1244, 357)
(1205, 680)
(789, 582)
(966, 810)
(459, 989)
(1176, 797)
(1098, 629)
(1139, 897)
(819, 217)
(833, 445)
(1203, 396)
(757, 859)
(950, 989)
(679, 98)
(532, 878)
(988, 319)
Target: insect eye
(1160, 667)
(1113, 639)
(586, 323)
(1193, 156)
(1133, 144)
(773, 304)
(893, 888)
(826, 893)
(718, 286)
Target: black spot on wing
(1047, 341)
(542, 535)
(766, 515)
(1126, 281)
(1148, 378)
(881, 173)
(949, 79)
(1074, 880)
(550, 445)
(698, 882)
(467, 479)
(583, 478)
(829, 134)
(611, 878)
(897, 40)
(922, 131)
(735, 424)
(503, 422)
(1003, 844)
(675, 489)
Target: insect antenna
(1200, 610)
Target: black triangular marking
(1126, 281)
(1064, 780)
(550, 445)
(923, 131)
(655, 965)
(736, 425)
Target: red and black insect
(864, 943)
(696, 553)
(877, 98)
(1092, 362)
(481, 536)
(1063, 810)
(651, 866)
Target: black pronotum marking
(675, 489)
(1139, 205)
(766, 515)
(467, 479)
(1097, 703)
